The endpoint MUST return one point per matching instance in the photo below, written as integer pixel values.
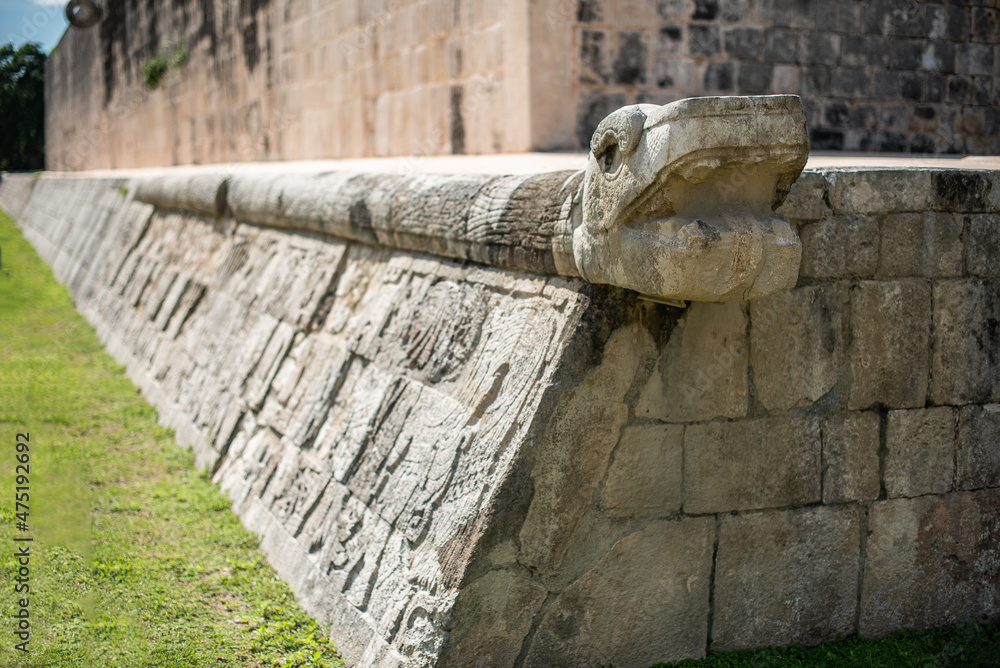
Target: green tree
(22, 107)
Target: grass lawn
(135, 559)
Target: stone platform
(455, 464)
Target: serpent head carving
(678, 201)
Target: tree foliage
(22, 107)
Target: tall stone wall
(295, 80)
(458, 465)
(915, 76)
(341, 78)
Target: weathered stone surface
(376, 416)
(977, 456)
(931, 561)
(645, 476)
(879, 191)
(492, 617)
(574, 452)
(890, 348)
(840, 247)
(786, 576)
(363, 418)
(983, 255)
(927, 244)
(15, 193)
(593, 621)
(850, 457)
(797, 342)
(702, 372)
(749, 464)
(920, 452)
(966, 364)
(805, 200)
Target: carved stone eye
(609, 158)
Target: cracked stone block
(805, 199)
(491, 612)
(786, 576)
(702, 372)
(964, 368)
(573, 453)
(644, 480)
(889, 355)
(840, 247)
(595, 621)
(880, 191)
(931, 561)
(797, 341)
(984, 245)
(978, 448)
(750, 464)
(850, 457)
(920, 453)
(927, 244)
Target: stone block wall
(915, 76)
(341, 78)
(295, 80)
(458, 465)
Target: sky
(42, 21)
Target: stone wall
(340, 78)
(294, 80)
(454, 463)
(915, 76)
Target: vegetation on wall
(22, 107)
(157, 67)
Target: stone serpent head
(678, 201)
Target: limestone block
(201, 192)
(965, 367)
(965, 191)
(797, 341)
(850, 457)
(984, 245)
(702, 372)
(644, 479)
(920, 457)
(890, 348)
(805, 200)
(492, 617)
(978, 449)
(927, 244)
(931, 561)
(840, 247)
(748, 464)
(879, 191)
(595, 621)
(786, 576)
(574, 450)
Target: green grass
(136, 558)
